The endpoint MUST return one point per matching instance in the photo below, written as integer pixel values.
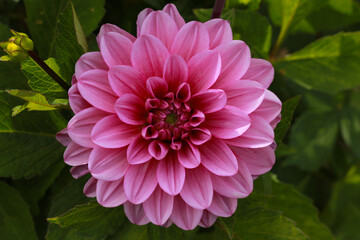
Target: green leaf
(313, 136)
(161, 233)
(287, 112)
(34, 134)
(131, 232)
(330, 64)
(4, 32)
(43, 16)
(15, 219)
(251, 5)
(80, 36)
(91, 220)
(350, 128)
(40, 81)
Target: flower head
(174, 124)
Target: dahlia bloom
(174, 124)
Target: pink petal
(76, 155)
(258, 161)
(261, 71)
(197, 190)
(156, 87)
(158, 206)
(110, 194)
(235, 59)
(110, 132)
(141, 18)
(149, 55)
(229, 122)
(192, 38)
(223, 206)
(174, 14)
(63, 137)
(270, 108)
(116, 49)
(76, 101)
(217, 157)
(260, 134)
(108, 164)
(196, 118)
(183, 93)
(199, 136)
(79, 171)
(184, 216)
(135, 213)
(160, 25)
(94, 87)
(107, 28)
(131, 109)
(90, 188)
(204, 69)
(209, 101)
(140, 181)
(245, 94)
(125, 79)
(89, 61)
(208, 219)
(219, 32)
(238, 186)
(158, 149)
(175, 71)
(170, 174)
(81, 125)
(138, 152)
(189, 155)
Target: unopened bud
(17, 47)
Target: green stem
(217, 10)
(49, 71)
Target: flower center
(171, 118)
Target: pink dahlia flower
(174, 124)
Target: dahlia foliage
(174, 124)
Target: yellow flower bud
(17, 47)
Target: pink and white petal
(171, 174)
(106, 28)
(116, 49)
(204, 69)
(89, 61)
(138, 152)
(95, 88)
(199, 136)
(197, 190)
(110, 132)
(149, 55)
(207, 220)
(126, 79)
(63, 137)
(229, 122)
(76, 101)
(261, 71)
(222, 206)
(141, 18)
(260, 134)
(158, 149)
(167, 224)
(135, 213)
(108, 164)
(175, 71)
(208, 101)
(76, 155)
(131, 109)
(110, 193)
(270, 108)
(158, 206)
(81, 125)
(217, 157)
(274, 122)
(238, 186)
(90, 187)
(192, 38)
(184, 216)
(235, 59)
(140, 181)
(157, 87)
(258, 161)
(219, 32)
(246, 95)
(174, 14)
(189, 155)
(79, 171)
(160, 25)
